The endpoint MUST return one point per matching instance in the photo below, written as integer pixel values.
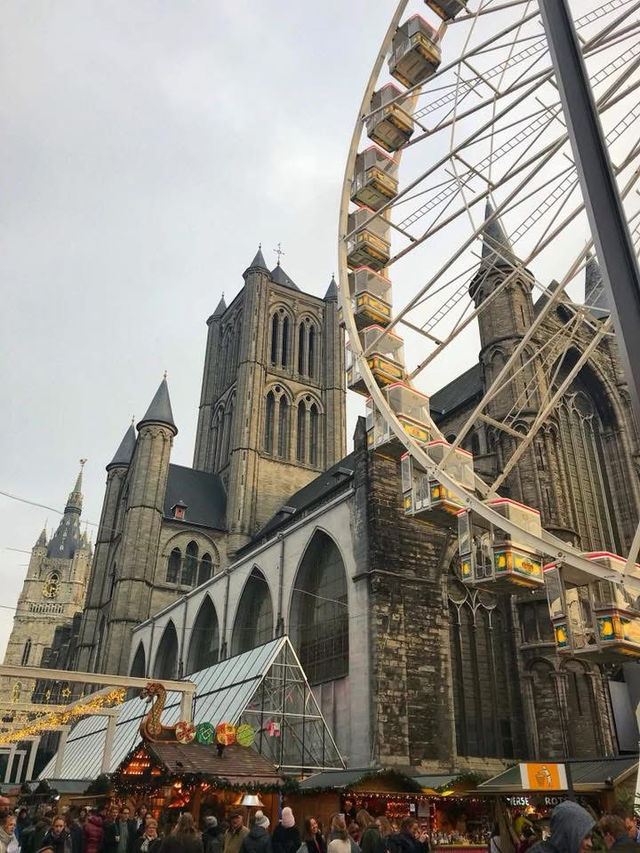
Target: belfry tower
(53, 590)
(272, 409)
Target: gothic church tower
(53, 591)
(272, 410)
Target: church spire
(496, 246)
(159, 410)
(125, 449)
(595, 297)
(67, 538)
(332, 290)
(41, 542)
(258, 263)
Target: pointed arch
(302, 349)
(319, 612)
(26, 652)
(301, 434)
(206, 569)
(254, 618)
(173, 566)
(283, 427)
(314, 435)
(269, 417)
(204, 647)
(311, 352)
(139, 665)
(284, 356)
(166, 662)
(190, 565)
(275, 334)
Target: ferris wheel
(463, 224)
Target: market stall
(172, 777)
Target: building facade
(271, 418)
(53, 593)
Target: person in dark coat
(22, 822)
(258, 840)
(571, 828)
(32, 836)
(58, 837)
(616, 835)
(212, 835)
(371, 840)
(286, 835)
(76, 831)
(93, 832)
(409, 839)
(184, 838)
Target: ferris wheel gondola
(476, 191)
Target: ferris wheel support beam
(616, 254)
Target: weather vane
(279, 252)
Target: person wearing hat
(286, 835)
(236, 833)
(212, 835)
(258, 840)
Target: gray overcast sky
(146, 149)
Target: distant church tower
(272, 409)
(53, 590)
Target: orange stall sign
(543, 776)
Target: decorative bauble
(245, 735)
(185, 732)
(205, 733)
(225, 734)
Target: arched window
(166, 662)
(285, 342)
(173, 566)
(190, 565)
(311, 364)
(314, 435)
(583, 723)
(204, 648)
(226, 442)
(283, 427)
(488, 713)
(26, 652)
(302, 336)
(275, 328)
(301, 439)
(139, 665)
(218, 438)
(269, 421)
(206, 569)
(319, 616)
(254, 619)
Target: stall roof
(237, 764)
(341, 779)
(587, 775)
(225, 692)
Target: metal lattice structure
(472, 190)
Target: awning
(589, 775)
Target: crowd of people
(116, 830)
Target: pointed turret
(496, 246)
(67, 537)
(595, 297)
(159, 410)
(125, 449)
(222, 307)
(258, 263)
(332, 291)
(42, 539)
(280, 277)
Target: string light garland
(60, 718)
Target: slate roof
(237, 764)
(259, 262)
(332, 290)
(496, 246)
(201, 492)
(159, 410)
(317, 490)
(463, 388)
(280, 277)
(124, 452)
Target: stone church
(275, 530)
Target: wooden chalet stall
(196, 777)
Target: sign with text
(543, 777)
